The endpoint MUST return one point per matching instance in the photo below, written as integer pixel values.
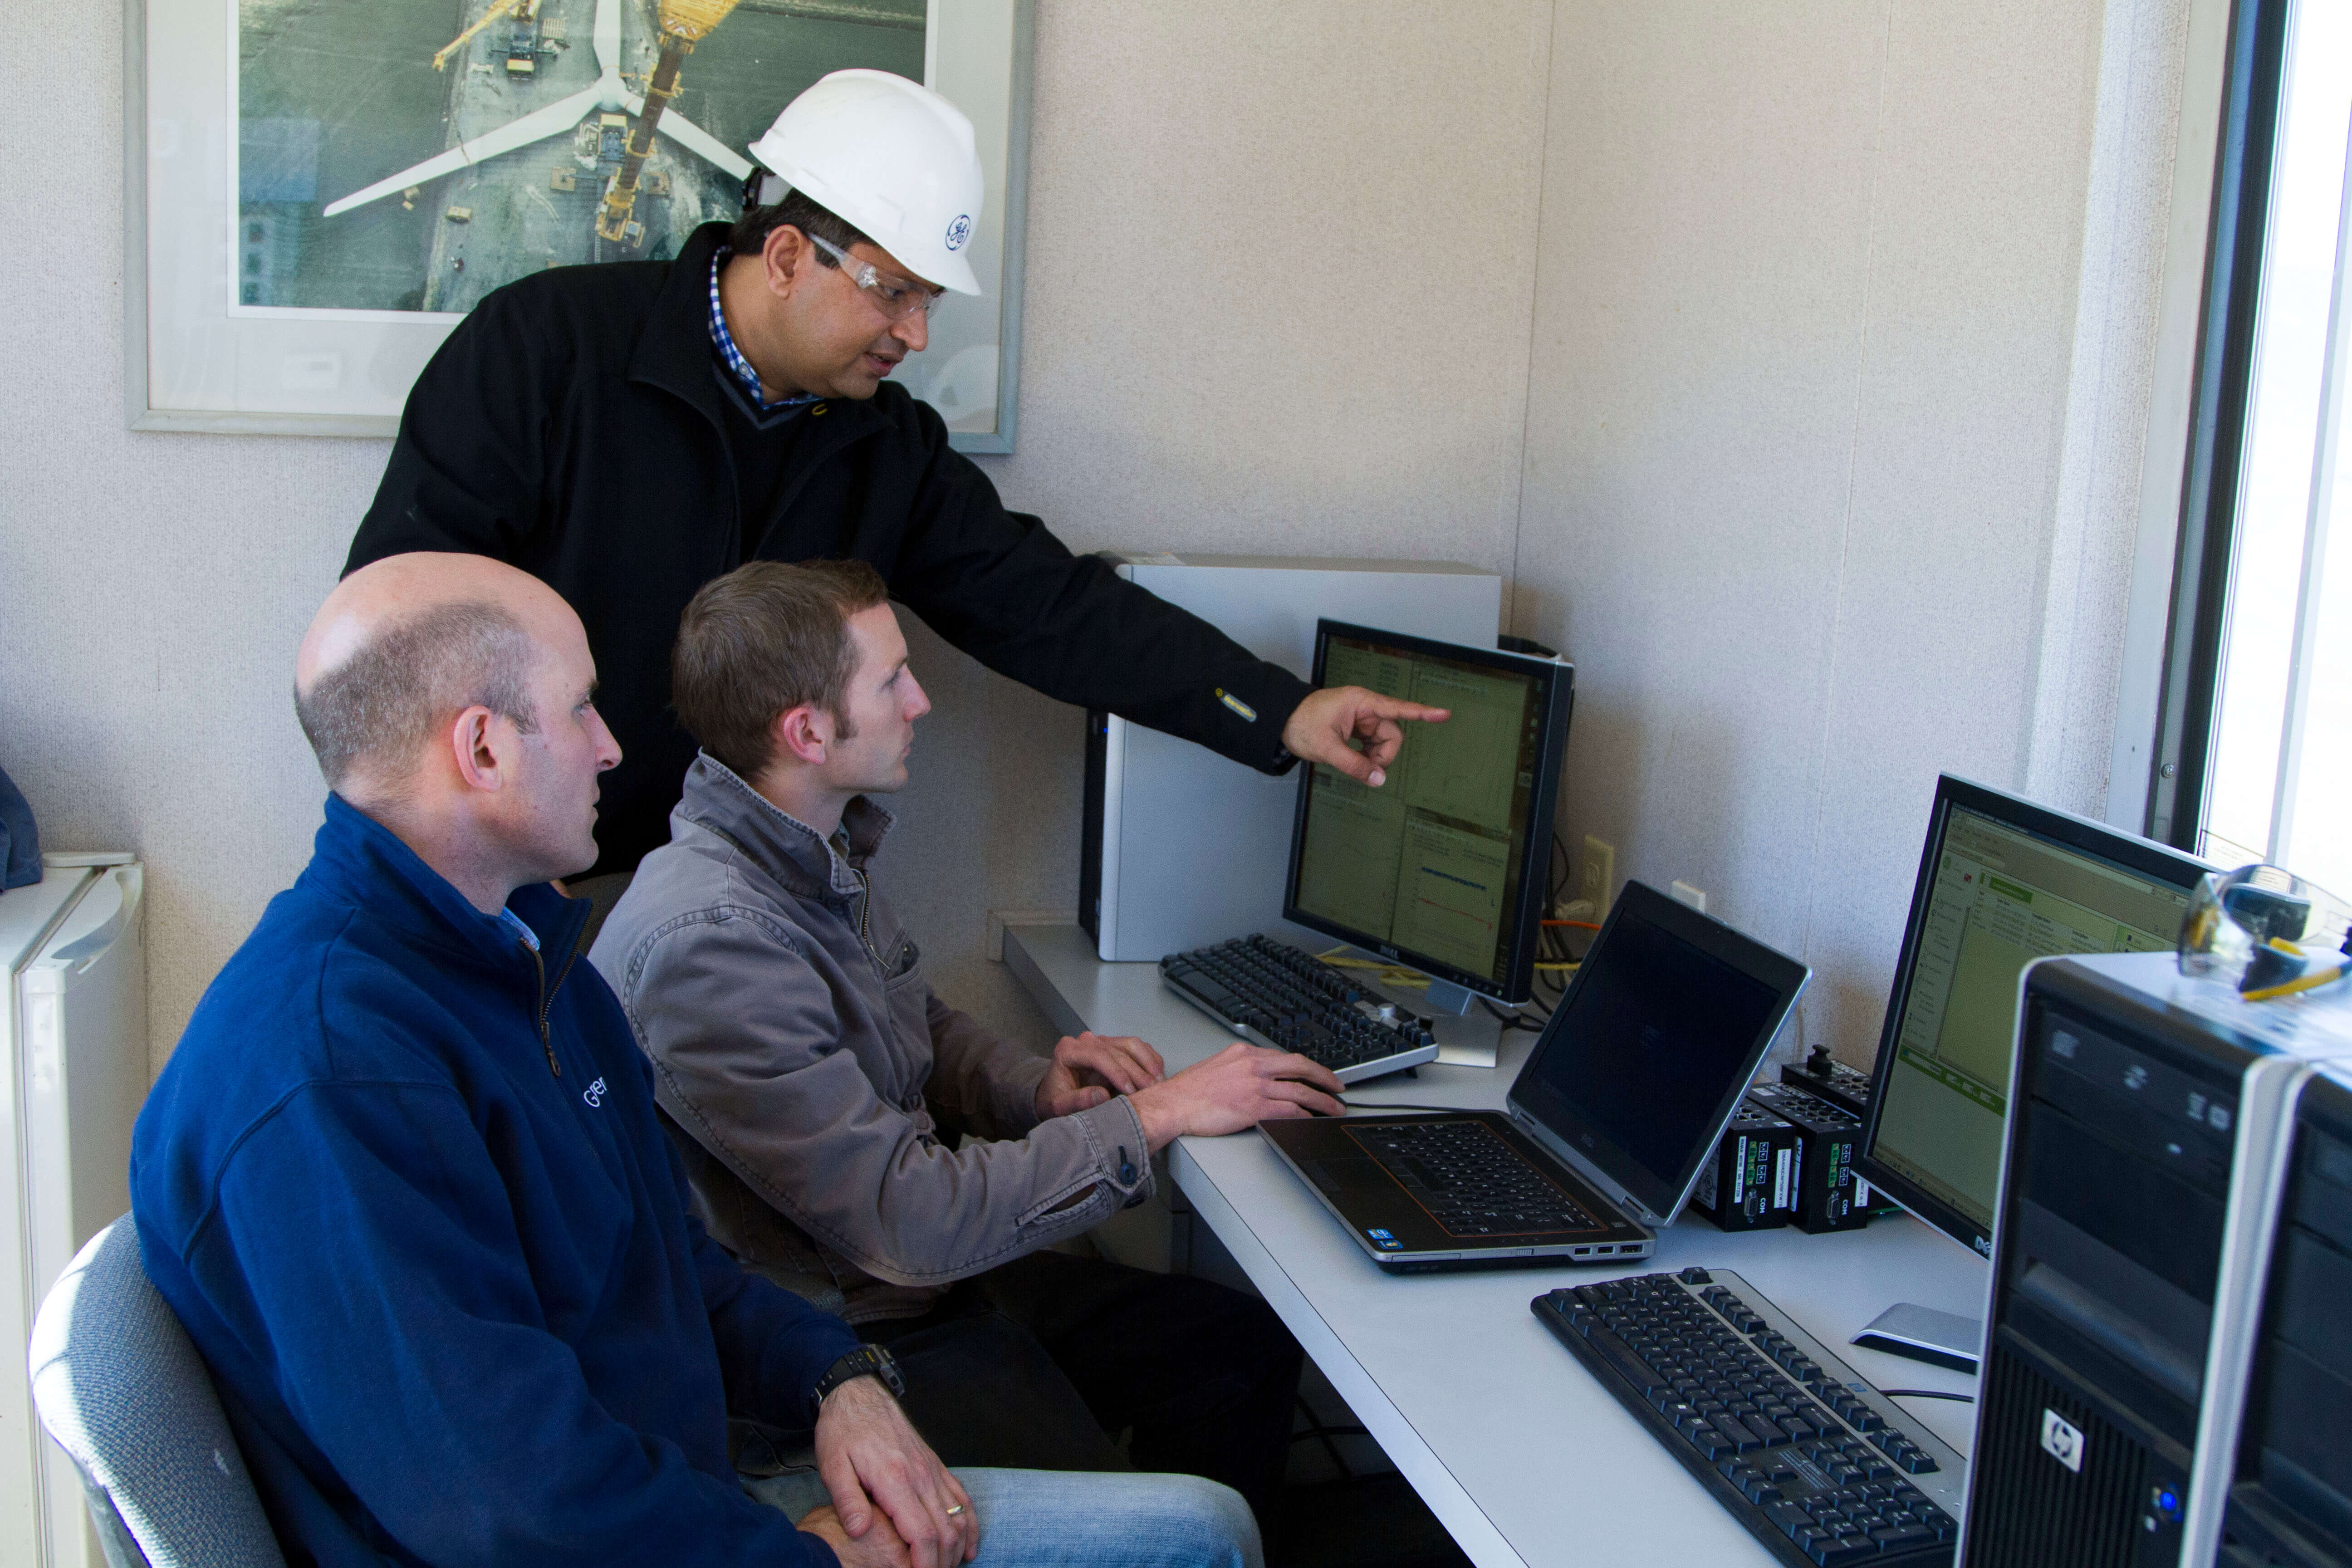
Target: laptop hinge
(1576, 1160)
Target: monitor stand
(1476, 1042)
(1922, 1333)
(1443, 996)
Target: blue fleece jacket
(403, 1183)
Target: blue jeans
(1075, 1518)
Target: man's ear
(786, 256)
(478, 762)
(802, 734)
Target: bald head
(403, 645)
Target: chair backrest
(124, 1392)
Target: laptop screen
(1648, 1052)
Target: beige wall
(1805, 402)
(1228, 346)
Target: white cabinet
(73, 1070)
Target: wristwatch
(865, 1360)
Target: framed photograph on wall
(323, 188)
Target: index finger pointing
(1381, 706)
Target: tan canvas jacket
(798, 1048)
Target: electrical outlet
(1685, 894)
(1600, 880)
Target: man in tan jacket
(854, 1138)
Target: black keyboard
(1270, 994)
(1804, 1453)
(1470, 1180)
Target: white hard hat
(891, 157)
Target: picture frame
(221, 338)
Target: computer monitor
(1443, 867)
(2003, 881)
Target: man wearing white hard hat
(627, 432)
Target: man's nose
(608, 750)
(920, 702)
(915, 331)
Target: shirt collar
(514, 922)
(360, 861)
(724, 342)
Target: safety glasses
(895, 298)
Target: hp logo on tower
(958, 231)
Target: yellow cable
(1388, 974)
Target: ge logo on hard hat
(958, 231)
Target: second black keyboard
(1271, 993)
(1804, 1453)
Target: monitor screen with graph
(2003, 881)
(1443, 866)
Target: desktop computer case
(2289, 1502)
(1180, 848)
(2147, 1123)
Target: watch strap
(865, 1360)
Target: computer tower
(2289, 1502)
(1180, 848)
(2146, 1121)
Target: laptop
(1606, 1127)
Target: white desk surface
(1522, 1456)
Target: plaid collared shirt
(724, 342)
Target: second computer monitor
(1443, 867)
(2001, 883)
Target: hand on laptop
(1088, 1069)
(1236, 1088)
(865, 1448)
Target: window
(2254, 751)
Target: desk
(1519, 1453)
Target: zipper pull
(539, 967)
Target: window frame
(2180, 763)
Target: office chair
(124, 1391)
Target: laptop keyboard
(1471, 1182)
(1802, 1451)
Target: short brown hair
(760, 641)
(382, 705)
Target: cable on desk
(1926, 1393)
(1386, 973)
(1511, 1020)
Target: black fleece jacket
(572, 425)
